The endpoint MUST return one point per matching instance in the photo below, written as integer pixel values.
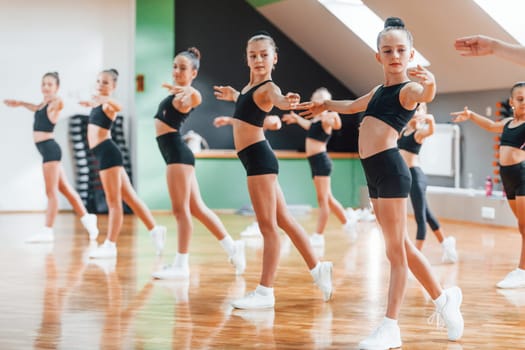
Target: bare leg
(135, 203)
(263, 196)
(337, 208)
(518, 208)
(295, 231)
(112, 184)
(204, 214)
(71, 195)
(322, 188)
(179, 177)
(51, 177)
(439, 235)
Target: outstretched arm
(479, 120)
(16, 103)
(294, 118)
(345, 106)
(422, 134)
(332, 119)
(222, 121)
(481, 45)
(272, 123)
(226, 93)
(186, 97)
(423, 91)
(283, 102)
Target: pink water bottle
(488, 186)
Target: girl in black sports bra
(115, 181)
(409, 144)
(46, 116)
(319, 130)
(388, 108)
(252, 105)
(183, 187)
(512, 167)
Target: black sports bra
(317, 132)
(409, 143)
(98, 117)
(513, 137)
(386, 107)
(246, 109)
(169, 115)
(42, 122)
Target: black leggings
(418, 197)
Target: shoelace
(437, 318)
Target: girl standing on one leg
(47, 114)
(180, 173)
(409, 144)
(319, 129)
(387, 109)
(512, 167)
(115, 181)
(252, 104)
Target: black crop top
(513, 137)
(169, 115)
(409, 143)
(386, 107)
(246, 109)
(317, 132)
(42, 122)
(98, 117)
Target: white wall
(76, 38)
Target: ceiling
(434, 24)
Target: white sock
(521, 270)
(441, 300)
(153, 230)
(389, 321)
(315, 271)
(47, 230)
(108, 243)
(181, 260)
(315, 234)
(228, 245)
(262, 290)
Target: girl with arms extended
(115, 181)
(387, 109)
(252, 104)
(180, 172)
(46, 116)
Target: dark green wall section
(154, 50)
(259, 3)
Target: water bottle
(488, 186)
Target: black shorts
(108, 154)
(320, 164)
(513, 179)
(387, 175)
(50, 150)
(259, 159)
(174, 150)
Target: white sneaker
(515, 279)
(158, 235)
(350, 227)
(89, 221)
(323, 280)
(252, 230)
(104, 251)
(450, 312)
(317, 240)
(172, 272)
(254, 300)
(384, 337)
(450, 255)
(238, 259)
(45, 235)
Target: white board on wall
(439, 155)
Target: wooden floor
(53, 297)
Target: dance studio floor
(53, 297)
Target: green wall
(227, 188)
(154, 51)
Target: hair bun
(394, 22)
(195, 52)
(261, 32)
(114, 71)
